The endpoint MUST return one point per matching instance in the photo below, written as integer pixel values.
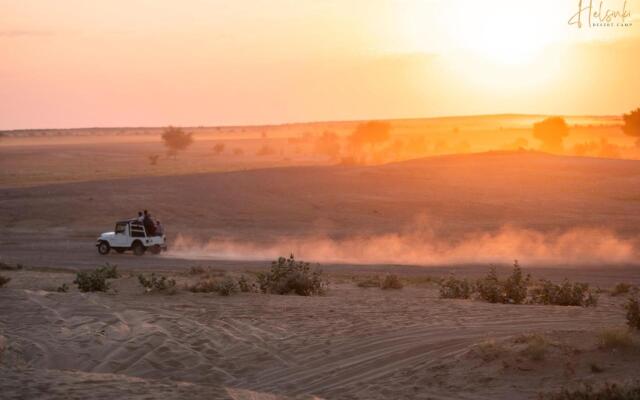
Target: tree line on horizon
(372, 142)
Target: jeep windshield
(121, 227)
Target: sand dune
(352, 343)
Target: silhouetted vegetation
(290, 276)
(633, 313)
(157, 284)
(175, 139)
(4, 280)
(631, 125)
(551, 132)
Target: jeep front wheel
(138, 249)
(103, 248)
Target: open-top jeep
(130, 235)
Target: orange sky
(79, 63)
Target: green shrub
(454, 288)
(610, 391)
(109, 271)
(205, 285)
(92, 281)
(290, 276)
(490, 289)
(244, 285)
(391, 282)
(512, 291)
(64, 288)
(633, 313)
(565, 294)
(157, 284)
(515, 287)
(226, 286)
(4, 280)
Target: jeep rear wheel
(103, 248)
(155, 249)
(138, 249)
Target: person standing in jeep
(149, 226)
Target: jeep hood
(107, 235)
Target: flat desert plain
(230, 214)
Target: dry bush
(370, 282)
(290, 276)
(631, 125)
(157, 284)
(615, 338)
(489, 350)
(536, 346)
(391, 282)
(565, 294)
(4, 280)
(610, 391)
(453, 288)
(8, 267)
(205, 285)
(64, 288)
(197, 270)
(633, 313)
(224, 287)
(621, 288)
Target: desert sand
(561, 216)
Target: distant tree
(328, 144)
(632, 125)
(370, 133)
(175, 139)
(153, 159)
(551, 132)
(218, 148)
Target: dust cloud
(574, 247)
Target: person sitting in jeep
(149, 226)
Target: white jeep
(130, 235)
